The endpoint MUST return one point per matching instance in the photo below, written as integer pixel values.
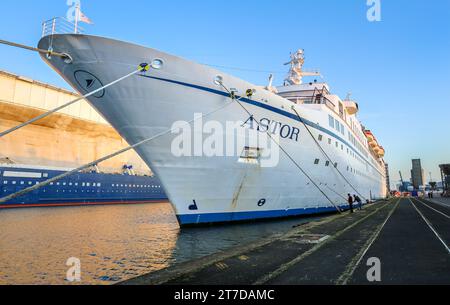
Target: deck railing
(60, 25)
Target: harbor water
(113, 243)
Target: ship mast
(296, 72)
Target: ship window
(83, 184)
(316, 161)
(29, 182)
(88, 184)
(99, 184)
(22, 183)
(14, 182)
(70, 183)
(327, 163)
(76, 183)
(57, 183)
(331, 121)
(45, 175)
(335, 165)
(329, 141)
(320, 137)
(337, 144)
(5, 182)
(64, 183)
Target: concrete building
(417, 174)
(388, 179)
(74, 136)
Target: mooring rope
(25, 47)
(59, 177)
(323, 151)
(233, 97)
(142, 67)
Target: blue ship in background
(91, 188)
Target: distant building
(417, 174)
(388, 180)
(445, 176)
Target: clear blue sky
(398, 69)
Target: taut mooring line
(142, 67)
(59, 177)
(324, 152)
(234, 98)
(25, 47)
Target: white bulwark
(331, 155)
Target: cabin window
(327, 163)
(331, 121)
(316, 161)
(320, 137)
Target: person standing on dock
(350, 202)
(359, 201)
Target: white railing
(60, 25)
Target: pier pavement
(399, 241)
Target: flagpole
(77, 17)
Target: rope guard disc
(144, 67)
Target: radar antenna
(296, 72)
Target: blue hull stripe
(268, 107)
(192, 219)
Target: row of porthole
(96, 191)
(136, 185)
(351, 153)
(88, 191)
(86, 184)
(20, 182)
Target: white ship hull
(214, 189)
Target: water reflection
(113, 242)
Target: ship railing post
(53, 26)
(43, 28)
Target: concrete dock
(409, 237)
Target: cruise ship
(81, 189)
(325, 152)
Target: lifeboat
(377, 149)
(381, 152)
(369, 136)
(351, 107)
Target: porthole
(157, 64)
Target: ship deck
(409, 237)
